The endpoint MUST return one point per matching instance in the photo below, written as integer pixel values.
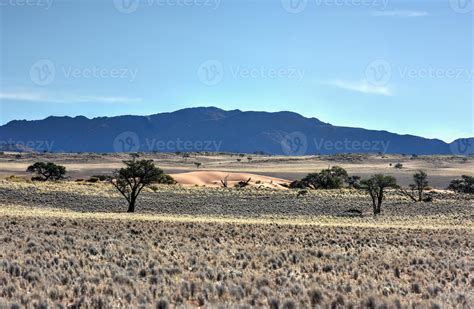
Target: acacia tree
(45, 171)
(376, 186)
(420, 183)
(131, 180)
(331, 178)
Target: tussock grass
(419, 222)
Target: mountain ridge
(215, 130)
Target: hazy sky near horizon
(397, 65)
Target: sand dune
(213, 179)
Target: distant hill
(214, 130)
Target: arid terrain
(71, 243)
(441, 169)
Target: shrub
(93, 179)
(298, 184)
(331, 178)
(166, 179)
(46, 171)
(463, 185)
(353, 182)
(398, 165)
(101, 177)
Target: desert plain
(71, 244)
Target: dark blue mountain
(214, 130)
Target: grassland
(71, 244)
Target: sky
(395, 65)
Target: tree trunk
(131, 204)
(420, 195)
(374, 205)
(379, 203)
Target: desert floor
(71, 244)
(441, 169)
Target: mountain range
(214, 130)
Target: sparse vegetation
(353, 182)
(131, 180)
(243, 184)
(331, 178)
(51, 262)
(67, 244)
(398, 165)
(224, 181)
(463, 185)
(376, 186)
(44, 171)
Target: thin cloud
(360, 86)
(400, 14)
(31, 96)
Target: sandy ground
(441, 169)
(213, 179)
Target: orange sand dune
(213, 179)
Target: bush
(353, 182)
(101, 177)
(332, 178)
(166, 179)
(463, 185)
(46, 171)
(298, 184)
(398, 165)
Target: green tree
(420, 183)
(45, 171)
(463, 185)
(331, 178)
(376, 186)
(131, 180)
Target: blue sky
(401, 66)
